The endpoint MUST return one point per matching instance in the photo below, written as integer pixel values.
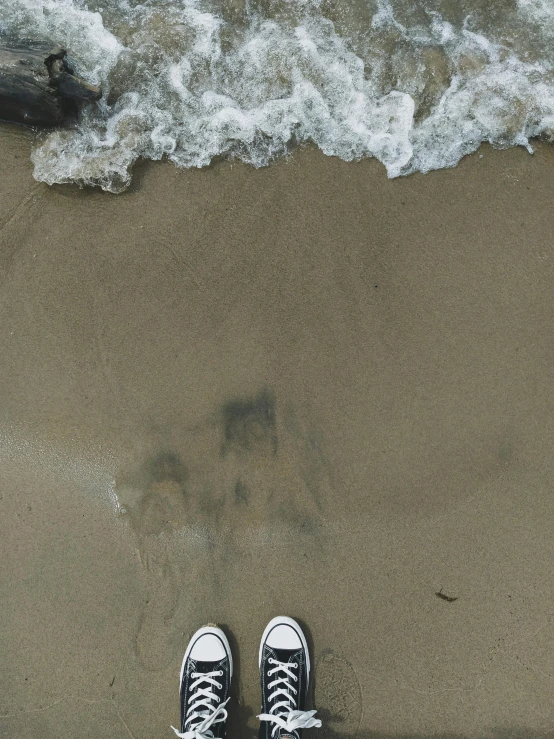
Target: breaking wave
(417, 84)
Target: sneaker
(205, 682)
(285, 674)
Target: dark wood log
(38, 85)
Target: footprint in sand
(154, 499)
(152, 643)
(338, 696)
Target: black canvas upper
(289, 656)
(193, 666)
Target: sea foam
(417, 85)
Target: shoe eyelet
(220, 673)
(219, 685)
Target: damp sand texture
(313, 390)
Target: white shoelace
(197, 722)
(283, 713)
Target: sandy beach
(306, 389)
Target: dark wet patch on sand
(250, 425)
(244, 474)
(244, 467)
(242, 494)
(157, 494)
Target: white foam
(69, 24)
(539, 11)
(188, 85)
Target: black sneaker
(205, 682)
(285, 675)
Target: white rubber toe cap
(283, 632)
(207, 648)
(283, 636)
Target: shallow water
(417, 84)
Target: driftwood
(38, 84)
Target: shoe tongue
(207, 666)
(286, 655)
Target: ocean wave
(417, 85)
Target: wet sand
(307, 389)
